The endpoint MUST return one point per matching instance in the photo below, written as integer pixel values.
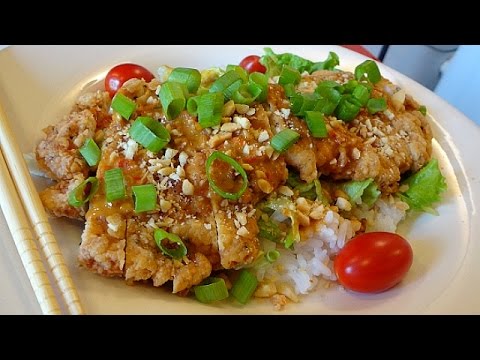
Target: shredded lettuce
(424, 188)
(275, 62)
(288, 209)
(269, 230)
(364, 191)
(312, 190)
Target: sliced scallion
(218, 155)
(170, 244)
(208, 108)
(330, 98)
(296, 102)
(272, 255)
(239, 70)
(309, 103)
(244, 287)
(149, 133)
(423, 110)
(246, 94)
(191, 78)
(289, 75)
(145, 197)
(77, 197)
(369, 70)
(348, 108)
(259, 80)
(289, 90)
(376, 105)
(172, 97)
(316, 124)
(210, 290)
(227, 84)
(362, 94)
(284, 140)
(123, 105)
(114, 185)
(90, 152)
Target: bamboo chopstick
(24, 241)
(38, 217)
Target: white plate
(38, 84)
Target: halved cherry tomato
(117, 76)
(252, 64)
(373, 262)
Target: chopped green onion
(289, 90)
(260, 80)
(227, 84)
(368, 69)
(376, 105)
(244, 287)
(423, 110)
(246, 94)
(289, 75)
(90, 152)
(191, 78)
(348, 108)
(212, 289)
(149, 133)
(239, 70)
(145, 197)
(316, 124)
(172, 97)
(296, 102)
(77, 196)
(114, 185)
(309, 103)
(174, 246)
(362, 94)
(350, 86)
(284, 140)
(330, 98)
(328, 84)
(218, 155)
(123, 105)
(208, 107)
(272, 256)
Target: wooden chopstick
(37, 215)
(24, 241)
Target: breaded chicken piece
(58, 154)
(55, 199)
(103, 241)
(301, 155)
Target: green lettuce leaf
(365, 191)
(425, 187)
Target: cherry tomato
(123, 72)
(373, 262)
(252, 64)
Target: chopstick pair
(20, 201)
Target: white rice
(302, 268)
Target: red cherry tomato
(123, 72)
(252, 64)
(373, 262)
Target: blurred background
(451, 71)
